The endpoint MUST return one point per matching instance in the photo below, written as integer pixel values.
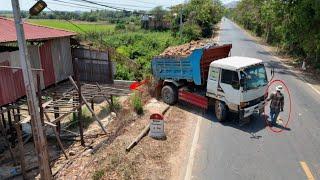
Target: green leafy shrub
(116, 106)
(97, 175)
(141, 47)
(137, 103)
(120, 26)
(85, 117)
(191, 31)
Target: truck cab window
(214, 74)
(230, 77)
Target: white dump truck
(208, 76)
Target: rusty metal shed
(49, 49)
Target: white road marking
(194, 144)
(316, 90)
(193, 150)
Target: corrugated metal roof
(32, 32)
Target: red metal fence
(11, 82)
(54, 56)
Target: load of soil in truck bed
(186, 49)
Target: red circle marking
(156, 116)
(289, 118)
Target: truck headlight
(243, 104)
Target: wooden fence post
(110, 67)
(20, 144)
(80, 105)
(56, 114)
(40, 99)
(2, 116)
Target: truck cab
(237, 84)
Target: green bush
(98, 174)
(191, 31)
(137, 103)
(141, 47)
(85, 117)
(120, 26)
(116, 104)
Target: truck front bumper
(258, 108)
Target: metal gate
(93, 65)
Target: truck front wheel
(169, 94)
(220, 111)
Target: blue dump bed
(193, 68)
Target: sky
(127, 4)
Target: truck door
(230, 88)
(212, 83)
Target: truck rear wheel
(169, 94)
(220, 111)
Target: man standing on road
(276, 105)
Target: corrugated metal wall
(93, 66)
(11, 81)
(53, 56)
(47, 63)
(61, 57)
(35, 62)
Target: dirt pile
(186, 49)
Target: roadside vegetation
(85, 26)
(293, 26)
(136, 44)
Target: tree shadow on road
(247, 40)
(226, 29)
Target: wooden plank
(53, 126)
(65, 115)
(88, 106)
(57, 114)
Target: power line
(113, 7)
(85, 32)
(107, 6)
(69, 4)
(69, 21)
(126, 5)
(145, 2)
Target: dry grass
(150, 159)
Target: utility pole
(37, 128)
(181, 21)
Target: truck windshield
(255, 77)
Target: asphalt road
(226, 151)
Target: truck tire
(169, 94)
(220, 110)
